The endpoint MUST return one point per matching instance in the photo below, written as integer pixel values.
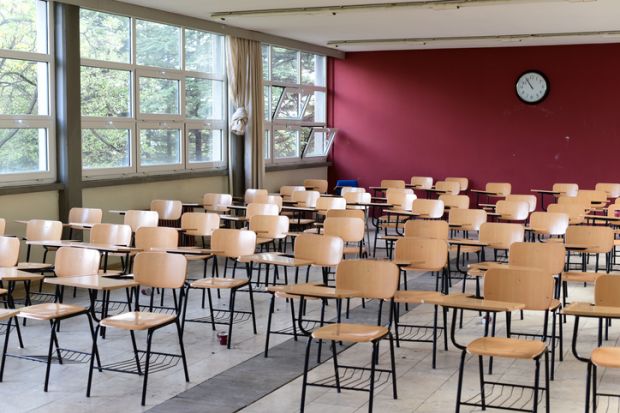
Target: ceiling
(471, 23)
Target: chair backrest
(85, 215)
(612, 190)
(357, 198)
(576, 212)
(612, 210)
(400, 200)
(399, 191)
(436, 229)
(551, 223)
(350, 213)
(455, 201)
(372, 278)
(255, 195)
(216, 202)
(448, 187)
(573, 200)
(392, 183)
(530, 199)
(324, 250)
(349, 229)
(72, 262)
(305, 198)
(319, 185)
(468, 219)
(110, 234)
(429, 208)
(422, 182)
(593, 197)
(512, 210)
(349, 189)
(233, 243)
(167, 209)
(270, 226)
(547, 256)
(276, 200)
(499, 188)
(200, 224)
(531, 287)
(422, 252)
(159, 269)
(463, 182)
(324, 204)
(136, 219)
(43, 230)
(597, 238)
(607, 291)
(287, 190)
(9, 251)
(156, 237)
(261, 209)
(566, 189)
(2, 226)
(501, 235)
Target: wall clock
(532, 87)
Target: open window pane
(285, 144)
(204, 98)
(23, 151)
(284, 65)
(23, 87)
(276, 94)
(160, 147)
(106, 148)
(104, 36)
(159, 96)
(289, 108)
(204, 52)
(204, 145)
(23, 25)
(315, 108)
(105, 92)
(158, 45)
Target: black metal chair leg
(305, 376)
(269, 316)
(393, 366)
(335, 360)
(481, 373)
(210, 308)
(547, 388)
(135, 351)
(536, 384)
(92, 361)
(459, 387)
(6, 345)
(149, 339)
(373, 363)
(49, 355)
(231, 307)
(182, 346)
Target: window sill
(25, 189)
(298, 165)
(97, 183)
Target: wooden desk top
(472, 303)
(467, 242)
(77, 244)
(319, 291)
(276, 258)
(13, 274)
(545, 191)
(591, 310)
(92, 282)
(298, 208)
(602, 218)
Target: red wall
(455, 113)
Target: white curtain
(245, 83)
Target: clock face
(532, 87)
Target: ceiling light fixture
(424, 4)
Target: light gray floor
(229, 380)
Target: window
(157, 106)
(26, 110)
(295, 105)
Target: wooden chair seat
(351, 249)
(555, 304)
(278, 290)
(3, 291)
(606, 357)
(585, 277)
(303, 221)
(34, 266)
(198, 257)
(506, 347)
(414, 297)
(219, 283)
(49, 311)
(5, 313)
(137, 320)
(356, 333)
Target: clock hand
(528, 82)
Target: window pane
(104, 36)
(23, 25)
(204, 52)
(307, 68)
(205, 145)
(266, 103)
(266, 150)
(23, 150)
(158, 45)
(276, 93)
(316, 144)
(106, 148)
(159, 96)
(265, 50)
(160, 147)
(315, 109)
(285, 144)
(289, 109)
(204, 98)
(23, 87)
(105, 92)
(284, 65)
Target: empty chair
(216, 202)
(276, 200)
(512, 210)
(112, 234)
(530, 199)
(357, 198)
(454, 201)
(349, 189)
(576, 212)
(593, 198)
(392, 183)
(324, 251)
(261, 209)
(498, 188)
(612, 190)
(42, 230)
(349, 213)
(596, 239)
(428, 208)
(448, 187)
(553, 224)
(287, 190)
(305, 198)
(136, 219)
(269, 229)
(154, 238)
(350, 230)
(9, 251)
(200, 224)
(85, 216)
(400, 200)
(566, 189)
(2, 226)
(421, 228)
(422, 182)
(424, 255)
(255, 195)
(463, 182)
(319, 185)
(500, 235)
(467, 219)
(324, 204)
(169, 211)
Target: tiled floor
(241, 379)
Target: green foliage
(104, 36)
(159, 96)
(18, 26)
(160, 146)
(106, 148)
(158, 45)
(105, 92)
(19, 150)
